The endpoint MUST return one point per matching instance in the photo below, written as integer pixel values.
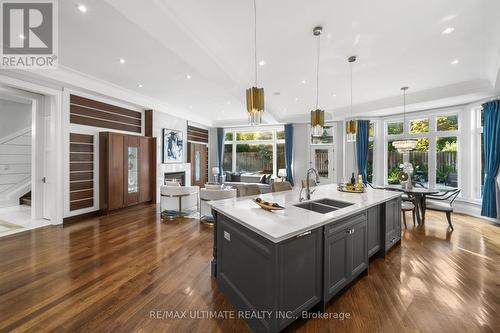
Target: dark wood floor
(108, 274)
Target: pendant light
(317, 116)
(404, 146)
(255, 95)
(351, 125)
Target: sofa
(236, 179)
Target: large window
(255, 152)
(446, 161)
(435, 158)
(394, 159)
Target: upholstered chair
(178, 201)
(212, 194)
(281, 186)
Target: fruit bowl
(269, 206)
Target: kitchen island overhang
(293, 260)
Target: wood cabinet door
(198, 160)
(337, 262)
(115, 171)
(146, 169)
(131, 166)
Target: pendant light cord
(255, 38)
(317, 72)
(350, 66)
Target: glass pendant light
(351, 125)
(317, 116)
(255, 95)
(404, 146)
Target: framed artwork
(172, 146)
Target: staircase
(25, 199)
(15, 167)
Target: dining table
(419, 194)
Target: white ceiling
(398, 42)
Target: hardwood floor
(107, 275)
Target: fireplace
(175, 176)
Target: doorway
(198, 157)
(322, 158)
(24, 157)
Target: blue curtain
(289, 152)
(220, 149)
(362, 147)
(491, 137)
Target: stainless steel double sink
(323, 206)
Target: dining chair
(443, 203)
(281, 186)
(407, 206)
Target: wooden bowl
(268, 207)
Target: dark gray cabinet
(256, 274)
(373, 226)
(392, 222)
(346, 255)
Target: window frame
(274, 141)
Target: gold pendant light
(404, 146)
(351, 125)
(255, 95)
(317, 116)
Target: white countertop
(280, 225)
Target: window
(394, 159)
(254, 136)
(227, 165)
(325, 138)
(395, 128)
(446, 161)
(254, 158)
(369, 165)
(280, 156)
(447, 123)
(254, 152)
(419, 126)
(439, 141)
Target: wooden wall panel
(197, 134)
(81, 167)
(85, 111)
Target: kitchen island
(276, 265)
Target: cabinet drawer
(333, 227)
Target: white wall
(14, 117)
(160, 121)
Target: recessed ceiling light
(454, 62)
(82, 8)
(448, 31)
(140, 85)
(262, 63)
(188, 77)
(122, 61)
(303, 81)
(228, 102)
(334, 95)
